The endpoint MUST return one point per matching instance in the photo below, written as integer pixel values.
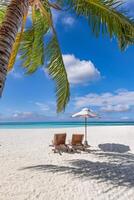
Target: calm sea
(22, 125)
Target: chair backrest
(59, 138)
(77, 139)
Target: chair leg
(54, 150)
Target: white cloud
(116, 108)
(42, 106)
(80, 71)
(68, 20)
(117, 102)
(22, 116)
(18, 116)
(61, 17)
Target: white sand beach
(29, 170)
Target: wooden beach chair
(59, 143)
(77, 142)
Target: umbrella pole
(86, 143)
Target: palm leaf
(56, 68)
(103, 17)
(16, 46)
(45, 11)
(2, 14)
(57, 71)
(32, 47)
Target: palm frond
(32, 47)
(103, 16)
(32, 52)
(45, 11)
(55, 67)
(16, 45)
(57, 71)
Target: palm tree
(103, 17)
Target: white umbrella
(85, 113)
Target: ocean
(31, 125)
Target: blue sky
(101, 78)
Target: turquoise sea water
(22, 125)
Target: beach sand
(29, 170)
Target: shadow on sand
(118, 168)
(112, 147)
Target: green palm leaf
(103, 16)
(3, 6)
(32, 47)
(2, 14)
(16, 45)
(32, 52)
(57, 71)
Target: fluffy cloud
(116, 108)
(80, 71)
(119, 101)
(61, 17)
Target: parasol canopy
(85, 113)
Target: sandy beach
(29, 169)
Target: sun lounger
(59, 143)
(76, 142)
